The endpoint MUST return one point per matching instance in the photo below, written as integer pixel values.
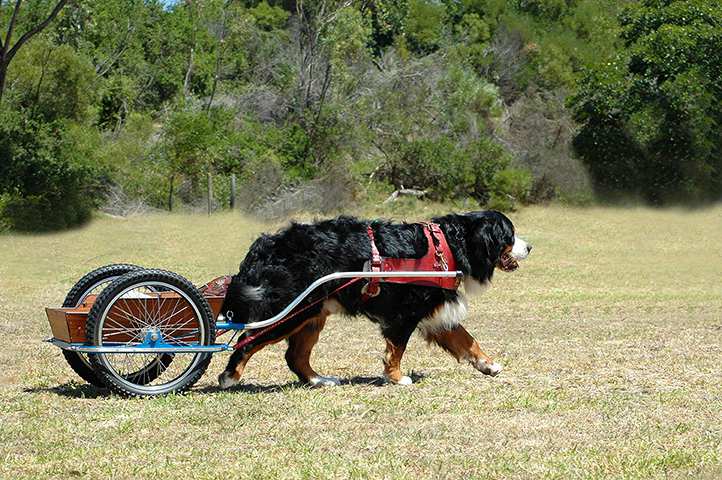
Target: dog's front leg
(459, 343)
(396, 342)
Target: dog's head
(491, 243)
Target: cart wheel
(91, 282)
(94, 282)
(130, 311)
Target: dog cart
(147, 332)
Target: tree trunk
(189, 72)
(6, 51)
(219, 59)
(194, 44)
(3, 74)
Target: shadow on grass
(72, 390)
(77, 390)
(351, 381)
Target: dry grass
(610, 333)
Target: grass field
(610, 334)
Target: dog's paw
(321, 381)
(404, 380)
(226, 380)
(492, 369)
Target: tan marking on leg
(241, 365)
(227, 380)
(300, 345)
(392, 363)
(459, 343)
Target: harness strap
(372, 288)
(242, 342)
(434, 232)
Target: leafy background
(132, 105)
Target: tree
(651, 118)
(7, 52)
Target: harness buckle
(371, 290)
(441, 261)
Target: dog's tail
(252, 298)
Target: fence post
(210, 193)
(233, 191)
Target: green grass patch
(610, 335)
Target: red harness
(438, 258)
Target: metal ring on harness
(371, 289)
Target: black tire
(101, 362)
(79, 361)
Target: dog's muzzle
(507, 262)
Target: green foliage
(510, 187)
(192, 142)
(255, 142)
(651, 119)
(546, 9)
(473, 33)
(52, 81)
(147, 98)
(425, 25)
(448, 170)
(388, 20)
(133, 164)
(347, 40)
(48, 179)
(268, 17)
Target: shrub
(48, 179)
(510, 187)
(445, 169)
(52, 82)
(425, 25)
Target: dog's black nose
(528, 248)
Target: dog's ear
(455, 230)
(487, 235)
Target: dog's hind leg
(459, 343)
(298, 355)
(236, 364)
(239, 358)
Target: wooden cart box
(68, 324)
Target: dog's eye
(229, 314)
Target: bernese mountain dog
(279, 267)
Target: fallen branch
(405, 191)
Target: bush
(510, 187)
(447, 170)
(425, 25)
(546, 9)
(48, 179)
(52, 82)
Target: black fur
(285, 263)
